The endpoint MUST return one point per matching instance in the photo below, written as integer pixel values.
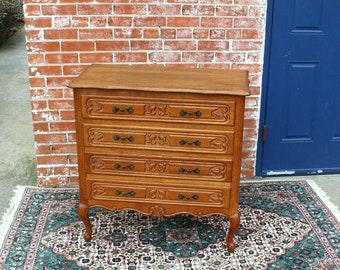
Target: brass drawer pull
(125, 193)
(183, 170)
(190, 113)
(194, 197)
(122, 138)
(116, 110)
(184, 142)
(129, 166)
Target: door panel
(302, 97)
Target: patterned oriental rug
(284, 225)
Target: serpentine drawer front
(160, 140)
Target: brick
(213, 45)
(60, 104)
(44, 70)
(32, 10)
(68, 46)
(58, 81)
(61, 58)
(73, 69)
(112, 45)
(168, 33)
(35, 58)
(248, 45)
(62, 126)
(94, 9)
(36, 82)
(216, 22)
(231, 11)
(52, 159)
(146, 45)
(163, 9)
(149, 21)
(131, 57)
(45, 116)
(95, 33)
(151, 33)
(197, 57)
(50, 138)
(197, 10)
(183, 21)
(40, 127)
(201, 33)
(36, 22)
(174, 45)
(217, 34)
(230, 57)
(100, 21)
(184, 33)
(39, 105)
(96, 57)
(120, 21)
(67, 115)
(61, 34)
(134, 9)
(34, 35)
(157, 57)
(248, 23)
(78, 21)
(126, 33)
(58, 10)
(43, 46)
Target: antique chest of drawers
(160, 140)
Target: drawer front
(173, 194)
(161, 110)
(152, 139)
(159, 168)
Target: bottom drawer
(169, 194)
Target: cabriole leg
(234, 223)
(83, 211)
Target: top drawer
(185, 111)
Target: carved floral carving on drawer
(157, 110)
(155, 193)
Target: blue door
(300, 115)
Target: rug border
(8, 216)
(334, 209)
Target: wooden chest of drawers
(160, 140)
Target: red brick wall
(65, 36)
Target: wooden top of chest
(159, 78)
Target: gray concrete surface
(17, 154)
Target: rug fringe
(7, 218)
(326, 200)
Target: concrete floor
(17, 153)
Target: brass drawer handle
(122, 138)
(128, 110)
(129, 166)
(125, 193)
(194, 197)
(190, 113)
(184, 142)
(183, 170)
